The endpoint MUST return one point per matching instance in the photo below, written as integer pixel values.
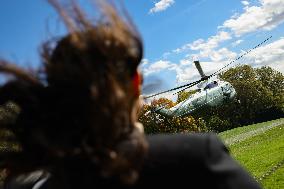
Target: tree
(183, 95)
(8, 116)
(259, 93)
(273, 81)
(156, 123)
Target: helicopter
(210, 92)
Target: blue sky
(175, 32)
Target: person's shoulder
(193, 146)
(173, 159)
(199, 157)
(190, 141)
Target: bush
(156, 123)
(217, 124)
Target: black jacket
(192, 161)
(173, 161)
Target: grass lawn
(260, 149)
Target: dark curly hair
(80, 108)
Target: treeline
(260, 97)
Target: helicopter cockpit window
(211, 85)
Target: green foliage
(258, 89)
(274, 82)
(8, 142)
(8, 113)
(260, 97)
(216, 124)
(183, 95)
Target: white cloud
(246, 3)
(190, 73)
(200, 44)
(206, 49)
(161, 5)
(212, 42)
(144, 61)
(267, 16)
(213, 55)
(159, 66)
(186, 71)
(166, 54)
(270, 55)
(222, 54)
(236, 43)
(189, 46)
(185, 62)
(235, 15)
(187, 74)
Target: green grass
(276, 181)
(231, 133)
(260, 151)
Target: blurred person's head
(83, 105)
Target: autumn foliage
(156, 123)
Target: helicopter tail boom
(164, 112)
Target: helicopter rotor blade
(239, 57)
(211, 75)
(176, 88)
(198, 67)
(197, 64)
(182, 90)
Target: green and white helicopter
(210, 92)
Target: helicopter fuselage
(214, 94)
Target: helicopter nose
(233, 93)
(229, 92)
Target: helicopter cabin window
(211, 85)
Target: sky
(174, 32)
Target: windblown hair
(79, 108)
